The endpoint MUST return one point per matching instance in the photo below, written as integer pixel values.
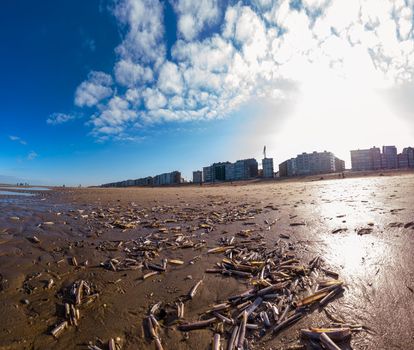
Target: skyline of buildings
(171, 178)
(311, 164)
(374, 159)
(303, 164)
(226, 171)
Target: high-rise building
(171, 178)
(207, 174)
(389, 158)
(226, 171)
(146, 181)
(267, 165)
(246, 169)
(406, 158)
(288, 168)
(339, 165)
(219, 171)
(229, 169)
(373, 159)
(409, 151)
(366, 159)
(315, 163)
(310, 164)
(197, 176)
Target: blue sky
(98, 91)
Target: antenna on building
(264, 152)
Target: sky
(99, 91)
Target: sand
(360, 226)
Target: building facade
(229, 176)
(389, 157)
(374, 159)
(315, 163)
(171, 178)
(339, 165)
(225, 171)
(366, 159)
(219, 171)
(197, 176)
(267, 166)
(207, 174)
(311, 164)
(406, 158)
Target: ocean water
(10, 193)
(26, 188)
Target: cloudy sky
(98, 91)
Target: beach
(361, 228)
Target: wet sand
(361, 227)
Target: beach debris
(242, 331)
(339, 229)
(409, 225)
(152, 326)
(150, 274)
(364, 231)
(233, 338)
(300, 223)
(48, 223)
(336, 334)
(79, 293)
(180, 309)
(59, 329)
(50, 283)
(194, 289)
(216, 342)
(111, 344)
(94, 347)
(175, 262)
(35, 239)
(279, 289)
(123, 225)
(219, 249)
(289, 321)
(328, 343)
(185, 327)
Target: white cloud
(264, 51)
(144, 21)
(212, 54)
(133, 96)
(93, 90)
(114, 117)
(130, 74)
(32, 155)
(193, 16)
(170, 80)
(17, 139)
(315, 4)
(59, 118)
(154, 99)
(263, 4)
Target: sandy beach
(361, 228)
